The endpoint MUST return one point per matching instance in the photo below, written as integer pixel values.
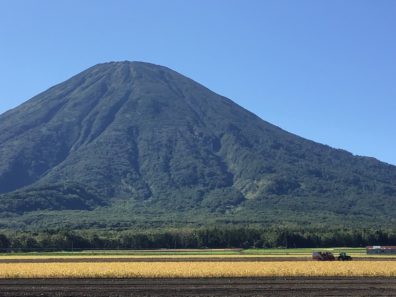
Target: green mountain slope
(127, 141)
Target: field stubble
(197, 269)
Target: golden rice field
(196, 269)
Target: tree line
(216, 237)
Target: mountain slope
(148, 140)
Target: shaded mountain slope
(143, 134)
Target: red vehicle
(323, 256)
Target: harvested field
(197, 269)
(277, 287)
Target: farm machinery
(328, 256)
(344, 257)
(323, 256)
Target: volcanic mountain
(126, 143)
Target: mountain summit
(123, 142)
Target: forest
(215, 237)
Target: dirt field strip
(275, 287)
(170, 259)
(197, 269)
(82, 256)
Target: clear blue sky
(325, 70)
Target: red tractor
(323, 256)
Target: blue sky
(325, 70)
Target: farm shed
(381, 249)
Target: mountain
(137, 144)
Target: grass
(303, 250)
(125, 253)
(196, 253)
(136, 252)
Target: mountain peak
(133, 65)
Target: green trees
(4, 243)
(216, 237)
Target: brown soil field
(277, 287)
(173, 259)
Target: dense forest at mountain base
(125, 217)
(64, 240)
